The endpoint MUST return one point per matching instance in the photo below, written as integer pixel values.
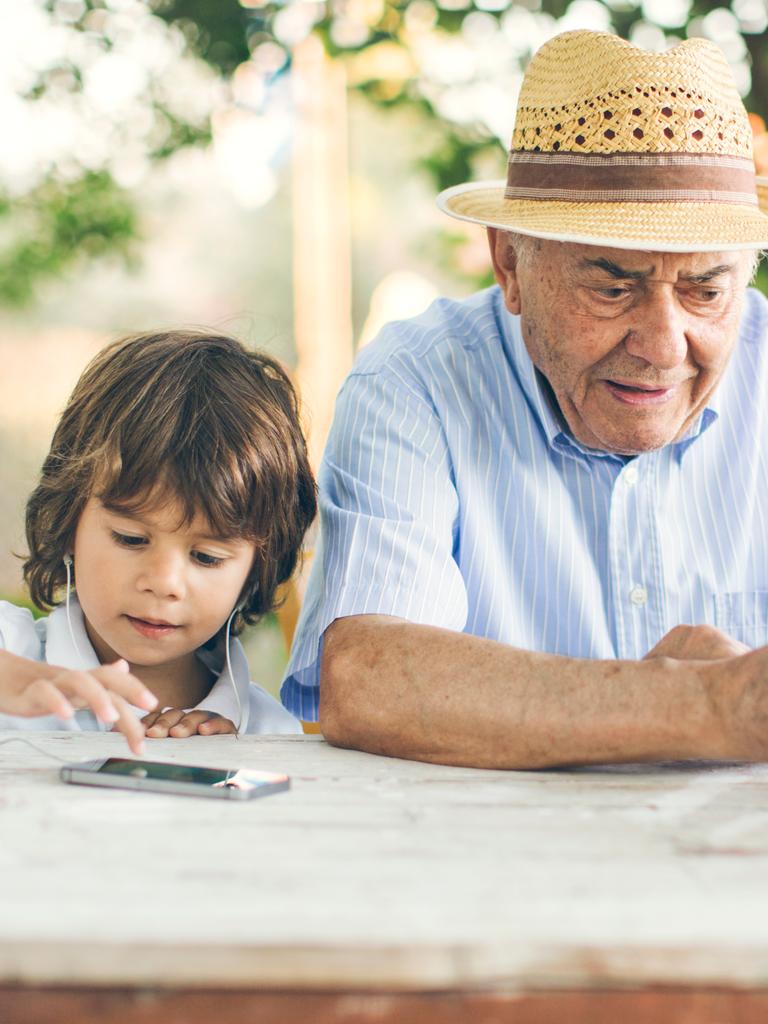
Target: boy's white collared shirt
(49, 640)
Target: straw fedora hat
(617, 146)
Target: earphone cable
(231, 673)
(67, 565)
(102, 726)
(39, 749)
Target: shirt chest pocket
(743, 616)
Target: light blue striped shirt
(450, 494)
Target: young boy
(173, 502)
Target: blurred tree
(458, 62)
(95, 93)
(57, 221)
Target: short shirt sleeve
(20, 634)
(388, 522)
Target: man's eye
(706, 294)
(128, 540)
(208, 560)
(613, 293)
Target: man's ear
(504, 259)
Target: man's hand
(734, 685)
(697, 643)
(30, 688)
(177, 723)
(738, 693)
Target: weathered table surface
(379, 875)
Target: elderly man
(527, 493)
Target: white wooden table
(379, 888)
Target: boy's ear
(504, 259)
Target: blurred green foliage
(220, 25)
(60, 222)
(217, 30)
(77, 212)
(85, 215)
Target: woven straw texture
(596, 95)
(590, 92)
(667, 227)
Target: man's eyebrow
(621, 273)
(616, 271)
(707, 275)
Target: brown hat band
(630, 178)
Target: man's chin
(638, 445)
(639, 440)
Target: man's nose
(659, 333)
(163, 574)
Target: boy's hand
(178, 724)
(29, 688)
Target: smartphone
(185, 779)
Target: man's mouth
(152, 628)
(631, 393)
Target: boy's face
(152, 591)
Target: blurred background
(265, 169)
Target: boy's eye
(128, 540)
(208, 560)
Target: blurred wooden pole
(322, 288)
(321, 238)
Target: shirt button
(638, 595)
(631, 475)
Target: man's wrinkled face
(632, 343)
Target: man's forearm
(428, 694)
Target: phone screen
(217, 778)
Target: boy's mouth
(152, 628)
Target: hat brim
(662, 227)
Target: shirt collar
(66, 641)
(540, 399)
(531, 381)
(72, 648)
(232, 702)
(708, 415)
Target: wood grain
(68, 1006)
(374, 874)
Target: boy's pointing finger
(128, 724)
(118, 678)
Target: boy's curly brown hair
(187, 417)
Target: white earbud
(68, 566)
(238, 608)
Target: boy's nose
(163, 575)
